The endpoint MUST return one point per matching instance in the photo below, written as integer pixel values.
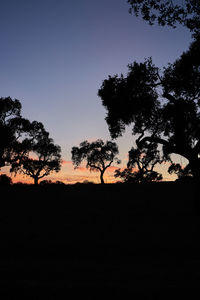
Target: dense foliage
(12, 127)
(163, 106)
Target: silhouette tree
(42, 156)
(12, 127)
(169, 12)
(163, 107)
(5, 180)
(98, 155)
(180, 171)
(127, 175)
(141, 164)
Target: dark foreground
(100, 242)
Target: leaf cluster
(169, 12)
(133, 98)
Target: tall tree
(98, 155)
(169, 12)
(162, 106)
(42, 155)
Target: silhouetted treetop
(163, 106)
(126, 97)
(144, 158)
(182, 78)
(24, 145)
(98, 155)
(141, 164)
(9, 109)
(169, 12)
(12, 127)
(41, 155)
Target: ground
(99, 240)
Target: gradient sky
(54, 55)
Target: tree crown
(41, 155)
(98, 155)
(164, 107)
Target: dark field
(103, 242)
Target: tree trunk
(36, 180)
(101, 177)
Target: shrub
(5, 180)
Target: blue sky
(55, 54)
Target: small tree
(98, 155)
(41, 146)
(140, 167)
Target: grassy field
(99, 240)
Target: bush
(5, 180)
(58, 182)
(45, 182)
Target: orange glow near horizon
(69, 175)
(68, 179)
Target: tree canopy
(42, 156)
(12, 127)
(169, 12)
(163, 105)
(98, 155)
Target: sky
(55, 54)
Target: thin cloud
(66, 162)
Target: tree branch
(94, 167)
(169, 97)
(108, 165)
(170, 148)
(154, 140)
(45, 174)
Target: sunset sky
(54, 56)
